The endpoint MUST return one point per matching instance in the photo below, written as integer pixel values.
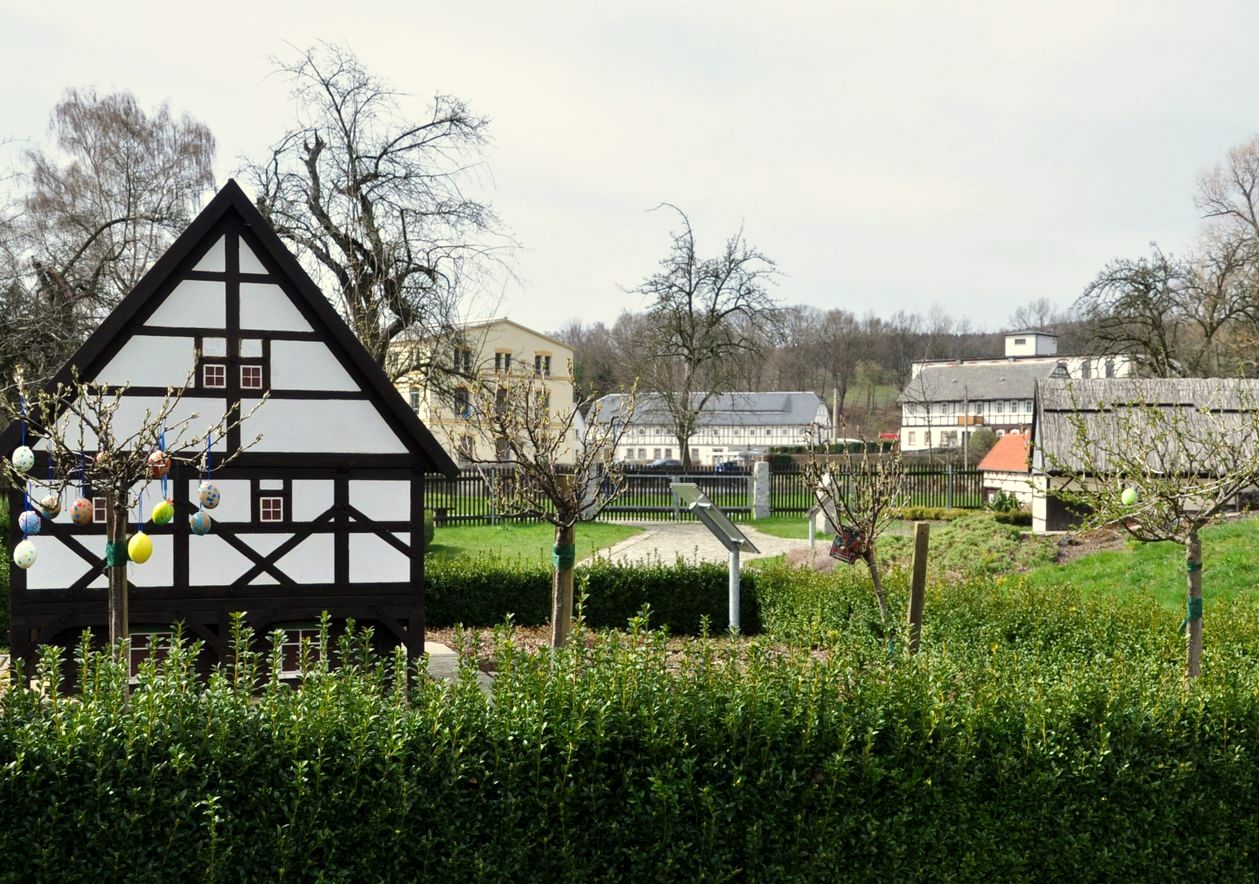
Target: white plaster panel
(249, 262)
(235, 504)
(265, 306)
(211, 562)
(194, 302)
(151, 361)
(307, 365)
(311, 498)
(331, 425)
(251, 348)
(57, 566)
(382, 500)
(202, 412)
(310, 562)
(372, 560)
(214, 260)
(214, 346)
(159, 569)
(270, 484)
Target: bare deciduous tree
(859, 494)
(374, 202)
(512, 411)
(91, 215)
(696, 324)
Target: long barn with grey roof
(731, 426)
(947, 400)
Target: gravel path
(692, 541)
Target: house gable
(228, 293)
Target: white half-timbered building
(325, 513)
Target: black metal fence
(473, 496)
(929, 486)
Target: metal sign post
(724, 530)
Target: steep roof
(725, 409)
(231, 200)
(1114, 411)
(1002, 380)
(1009, 455)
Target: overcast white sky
(887, 154)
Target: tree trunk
(562, 588)
(873, 563)
(684, 449)
(1193, 608)
(116, 570)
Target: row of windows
(656, 455)
(270, 509)
(290, 649)
(214, 376)
(947, 438)
(502, 362)
(976, 406)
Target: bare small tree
(374, 201)
(697, 323)
(79, 426)
(1162, 459)
(512, 411)
(859, 493)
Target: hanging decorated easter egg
(163, 512)
(159, 464)
(209, 495)
(24, 554)
(23, 459)
(199, 524)
(81, 512)
(51, 505)
(30, 522)
(1130, 496)
(139, 548)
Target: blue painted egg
(199, 524)
(30, 522)
(209, 495)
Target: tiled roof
(954, 383)
(726, 409)
(1009, 455)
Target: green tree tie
(1193, 611)
(564, 556)
(115, 554)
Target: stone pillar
(760, 490)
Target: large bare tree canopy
(706, 316)
(90, 214)
(374, 202)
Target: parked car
(665, 463)
(729, 466)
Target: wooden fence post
(918, 584)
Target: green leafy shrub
(485, 591)
(1004, 502)
(1020, 517)
(929, 513)
(430, 527)
(1032, 739)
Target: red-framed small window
(98, 510)
(251, 377)
(291, 651)
(271, 508)
(213, 375)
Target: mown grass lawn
(1229, 559)
(526, 542)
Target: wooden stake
(1193, 618)
(918, 584)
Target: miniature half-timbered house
(324, 513)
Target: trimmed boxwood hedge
(485, 591)
(1038, 736)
